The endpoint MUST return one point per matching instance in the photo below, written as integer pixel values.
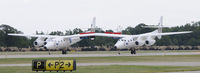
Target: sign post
(53, 65)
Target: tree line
(192, 39)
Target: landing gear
(64, 51)
(49, 52)
(119, 51)
(133, 51)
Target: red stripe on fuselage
(113, 32)
(87, 33)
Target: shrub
(1, 50)
(151, 48)
(168, 48)
(195, 48)
(33, 49)
(102, 49)
(7, 49)
(113, 49)
(68, 50)
(41, 49)
(89, 49)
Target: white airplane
(125, 41)
(146, 39)
(58, 42)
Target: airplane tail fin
(159, 27)
(93, 25)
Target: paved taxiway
(118, 63)
(127, 63)
(99, 55)
(107, 55)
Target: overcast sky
(50, 15)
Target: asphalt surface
(99, 55)
(118, 63)
(126, 63)
(135, 63)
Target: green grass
(169, 58)
(109, 69)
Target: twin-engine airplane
(125, 41)
(146, 39)
(59, 42)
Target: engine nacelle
(39, 42)
(149, 42)
(139, 43)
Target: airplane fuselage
(60, 43)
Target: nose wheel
(49, 52)
(64, 51)
(133, 51)
(119, 52)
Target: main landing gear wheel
(49, 51)
(119, 52)
(64, 51)
(133, 51)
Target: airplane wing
(103, 34)
(52, 36)
(110, 35)
(76, 35)
(167, 33)
(153, 35)
(27, 35)
(140, 35)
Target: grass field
(176, 58)
(108, 69)
(113, 59)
